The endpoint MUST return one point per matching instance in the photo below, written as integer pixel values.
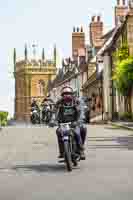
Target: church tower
(31, 81)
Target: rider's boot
(61, 152)
(82, 153)
(61, 149)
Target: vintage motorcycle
(71, 156)
(46, 114)
(35, 116)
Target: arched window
(41, 87)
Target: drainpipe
(112, 88)
(77, 79)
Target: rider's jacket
(47, 103)
(34, 105)
(67, 112)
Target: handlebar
(69, 123)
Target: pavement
(96, 119)
(122, 124)
(29, 169)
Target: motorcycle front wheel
(67, 156)
(33, 121)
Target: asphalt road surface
(29, 169)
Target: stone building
(101, 67)
(74, 69)
(114, 102)
(31, 81)
(92, 87)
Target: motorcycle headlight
(35, 111)
(67, 127)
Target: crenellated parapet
(34, 63)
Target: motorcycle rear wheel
(33, 121)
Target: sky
(44, 23)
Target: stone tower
(96, 32)
(78, 41)
(121, 10)
(31, 81)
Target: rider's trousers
(80, 133)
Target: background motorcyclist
(68, 111)
(47, 107)
(34, 104)
(35, 107)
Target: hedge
(3, 118)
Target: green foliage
(122, 53)
(3, 118)
(126, 116)
(123, 74)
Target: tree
(123, 74)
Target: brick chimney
(96, 32)
(78, 41)
(121, 10)
(130, 4)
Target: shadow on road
(121, 142)
(41, 168)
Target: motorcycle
(71, 157)
(48, 114)
(53, 120)
(43, 114)
(87, 116)
(35, 116)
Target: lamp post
(77, 74)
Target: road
(29, 169)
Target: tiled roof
(115, 34)
(60, 78)
(107, 35)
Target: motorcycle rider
(68, 111)
(46, 105)
(34, 105)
